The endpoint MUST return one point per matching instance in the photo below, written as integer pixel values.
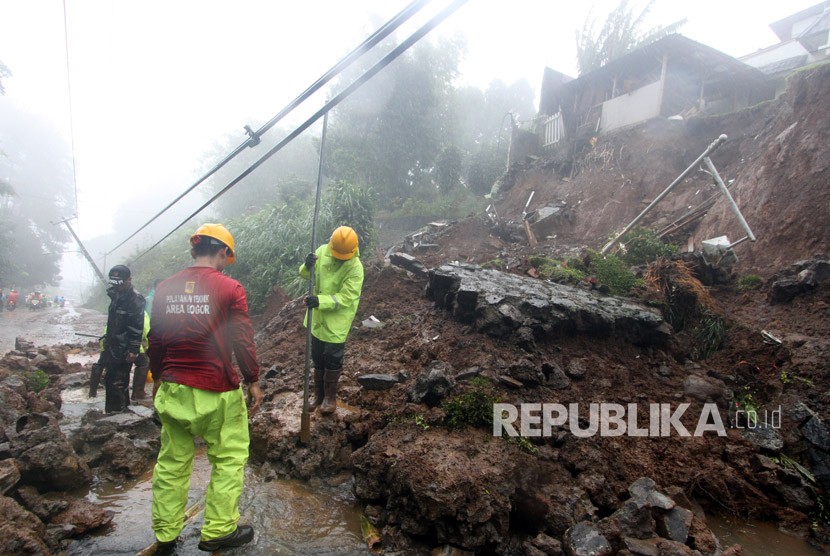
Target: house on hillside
(804, 39)
(674, 76)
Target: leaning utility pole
(85, 253)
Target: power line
(69, 94)
(254, 136)
(340, 97)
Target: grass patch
(37, 380)
(613, 272)
(473, 408)
(750, 282)
(555, 270)
(495, 264)
(709, 335)
(642, 246)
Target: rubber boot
(330, 390)
(139, 380)
(319, 392)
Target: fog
(140, 92)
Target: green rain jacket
(337, 284)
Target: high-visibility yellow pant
(221, 419)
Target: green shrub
(556, 271)
(522, 443)
(745, 401)
(473, 408)
(749, 282)
(496, 264)
(567, 275)
(37, 380)
(613, 272)
(642, 246)
(576, 263)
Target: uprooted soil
(401, 450)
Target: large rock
(39, 505)
(377, 381)
(500, 304)
(801, 277)
(44, 455)
(452, 488)
(704, 388)
(118, 446)
(274, 435)
(54, 466)
(83, 516)
(815, 431)
(433, 385)
(584, 539)
(674, 524)
(20, 530)
(764, 436)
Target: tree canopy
(621, 33)
(35, 189)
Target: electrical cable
(69, 95)
(345, 93)
(254, 136)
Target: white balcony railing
(554, 129)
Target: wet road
(49, 326)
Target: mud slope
(776, 154)
(425, 484)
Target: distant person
(122, 340)
(337, 286)
(200, 322)
(11, 298)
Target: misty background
(114, 107)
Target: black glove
(310, 259)
(311, 301)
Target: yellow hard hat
(219, 233)
(343, 243)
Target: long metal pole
(305, 418)
(84, 252)
(711, 148)
(732, 204)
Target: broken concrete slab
(410, 263)
(546, 220)
(499, 303)
(377, 381)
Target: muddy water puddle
(289, 517)
(759, 538)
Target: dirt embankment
(426, 484)
(776, 154)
